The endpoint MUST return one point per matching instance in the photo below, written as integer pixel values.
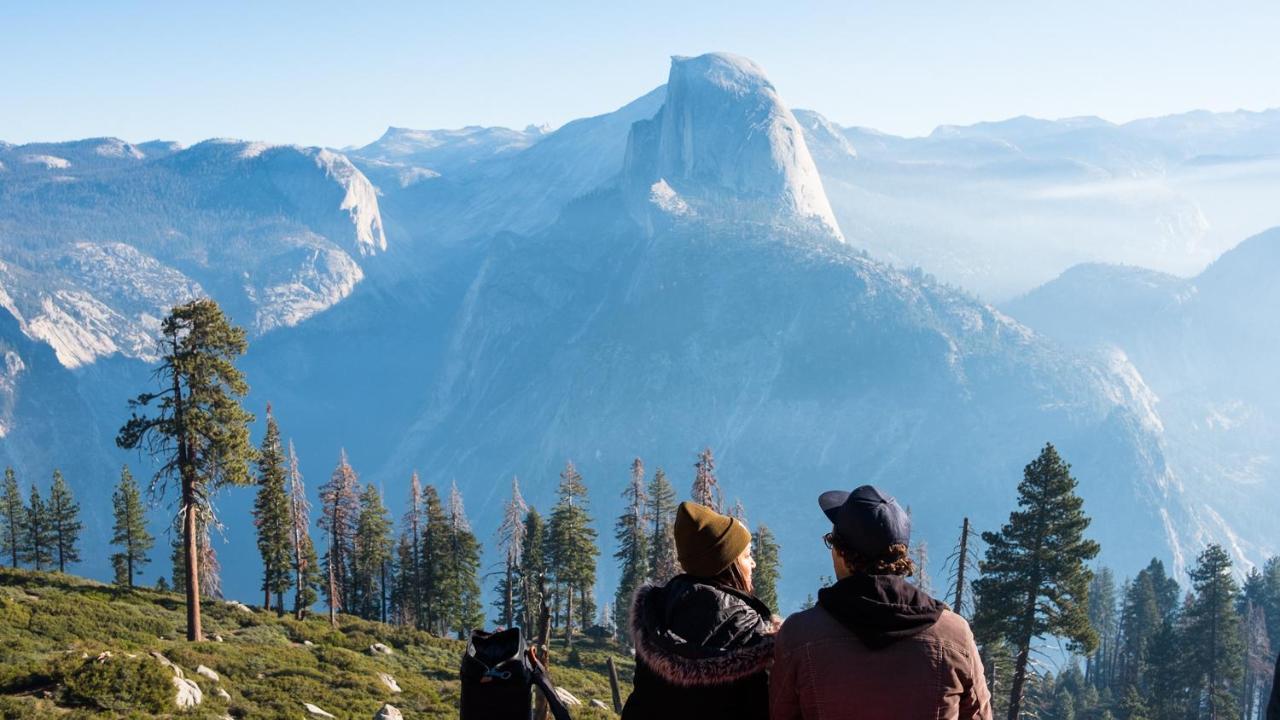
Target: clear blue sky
(338, 73)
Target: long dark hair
(733, 577)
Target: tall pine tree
(511, 534)
(129, 530)
(409, 580)
(40, 536)
(1212, 636)
(64, 516)
(662, 542)
(340, 511)
(13, 515)
(768, 566)
(706, 489)
(306, 567)
(372, 556)
(1105, 620)
(1035, 582)
(462, 586)
(199, 433)
(572, 551)
(271, 516)
(533, 574)
(436, 542)
(631, 532)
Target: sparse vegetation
(54, 628)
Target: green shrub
(122, 684)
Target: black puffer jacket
(702, 653)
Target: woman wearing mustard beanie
(703, 641)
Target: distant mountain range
(703, 266)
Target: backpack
(498, 675)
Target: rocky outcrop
(388, 712)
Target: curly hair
(894, 561)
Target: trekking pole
(613, 685)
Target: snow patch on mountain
(727, 145)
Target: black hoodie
(880, 609)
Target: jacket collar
(880, 609)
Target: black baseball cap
(867, 520)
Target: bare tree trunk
(333, 592)
(194, 633)
(568, 619)
(963, 558)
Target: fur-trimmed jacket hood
(692, 633)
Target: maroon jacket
(877, 648)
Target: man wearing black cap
(875, 647)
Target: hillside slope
(55, 629)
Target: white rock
(316, 711)
(189, 693)
(223, 694)
(217, 638)
(103, 656)
(235, 604)
(567, 698)
(177, 671)
(379, 649)
(390, 682)
(207, 672)
(599, 704)
(388, 712)
(308, 643)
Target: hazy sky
(339, 73)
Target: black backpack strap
(543, 683)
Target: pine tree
(662, 543)
(1258, 657)
(768, 566)
(40, 538)
(706, 489)
(130, 530)
(340, 511)
(572, 550)
(306, 568)
(533, 573)
(462, 588)
(435, 563)
(1213, 640)
(1170, 671)
(13, 516)
(631, 532)
(271, 516)
(64, 518)
(1035, 582)
(411, 555)
(372, 556)
(511, 533)
(199, 432)
(1103, 617)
